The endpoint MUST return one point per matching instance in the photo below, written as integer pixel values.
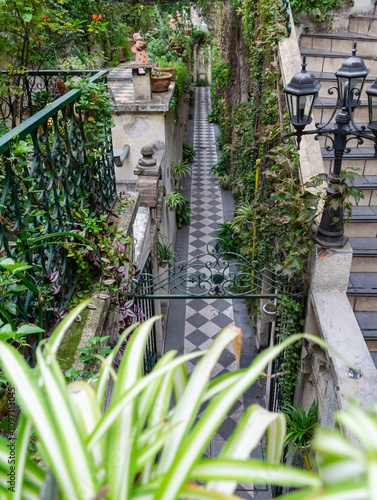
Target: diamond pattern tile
(204, 319)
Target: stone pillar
(329, 273)
(149, 174)
(141, 77)
(148, 170)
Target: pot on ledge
(161, 83)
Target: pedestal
(141, 77)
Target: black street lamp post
(301, 93)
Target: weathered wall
(340, 19)
(136, 129)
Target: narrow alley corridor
(203, 319)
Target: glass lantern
(372, 106)
(301, 92)
(351, 77)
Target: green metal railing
(19, 97)
(147, 306)
(47, 173)
(287, 16)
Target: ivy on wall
(321, 10)
(281, 210)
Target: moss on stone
(70, 342)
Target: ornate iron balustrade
(20, 90)
(287, 16)
(211, 274)
(48, 172)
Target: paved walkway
(205, 318)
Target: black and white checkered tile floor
(205, 318)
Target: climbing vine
(263, 172)
(321, 10)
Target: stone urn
(161, 83)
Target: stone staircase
(325, 54)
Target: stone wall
(340, 17)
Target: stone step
(328, 61)
(362, 159)
(341, 42)
(364, 258)
(368, 185)
(325, 141)
(368, 325)
(363, 222)
(328, 80)
(363, 25)
(362, 292)
(324, 107)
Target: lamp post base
(329, 240)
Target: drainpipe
(119, 155)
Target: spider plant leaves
(88, 449)
(252, 470)
(87, 413)
(63, 451)
(249, 432)
(184, 456)
(346, 491)
(188, 405)
(179, 381)
(121, 440)
(22, 441)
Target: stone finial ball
(147, 151)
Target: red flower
(95, 18)
(44, 17)
(100, 17)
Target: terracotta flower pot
(61, 87)
(161, 83)
(165, 70)
(179, 50)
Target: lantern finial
(303, 64)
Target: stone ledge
(339, 327)
(94, 320)
(93, 326)
(160, 102)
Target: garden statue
(140, 49)
(179, 17)
(172, 23)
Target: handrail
(61, 172)
(30, 124)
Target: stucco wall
(136, 129)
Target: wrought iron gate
(211, 274)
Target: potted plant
(165, 254)
(164, 67)
(244, 216)
(174, 199)
(300, 429)
(269, 308)
(160, 81)
(178, 171)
